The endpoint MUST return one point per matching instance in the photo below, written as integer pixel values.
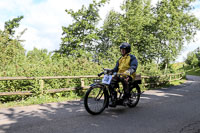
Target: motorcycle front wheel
(95, 100)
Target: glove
(126, 74)
(129, 71)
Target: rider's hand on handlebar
(127, 72)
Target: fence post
(41, 82)
(82, 83)
(143, 82)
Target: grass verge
(195, 71)
(173, 83)
(42, 99)
(177, 82)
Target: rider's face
(123, 51)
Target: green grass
(178, 66)
(173, 83)
(195, 71)
(42, 99)
(177, 82)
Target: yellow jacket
(125, 63)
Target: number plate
(107, 79)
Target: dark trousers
(115, 83)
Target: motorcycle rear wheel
(135, 96)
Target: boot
(112, 104)
(113, 99)
(126, 99)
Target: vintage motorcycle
(98, 96)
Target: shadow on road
(21, 117)
(69, 114)
(168, 93)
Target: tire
(135, 96)
(95, 100)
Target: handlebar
(99, 75)
(118, 74)
(111, 72)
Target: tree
(132, 26)
(38, 55)
(12, 24)
(107, 48)
(192, 59)
(136, 28)
(198, 55)
(174, 26)
(11, 51)
(82, 34)
(109, 31)
(156, 33)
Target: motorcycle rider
(126, 64)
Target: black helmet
(126, 46)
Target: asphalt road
(167, 110)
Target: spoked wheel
(135, 96)
(95, 100)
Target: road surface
(167, 110)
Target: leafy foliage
(157, 35)
(193, 58)
(12, 24)
(83, 33)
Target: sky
(44, 20)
